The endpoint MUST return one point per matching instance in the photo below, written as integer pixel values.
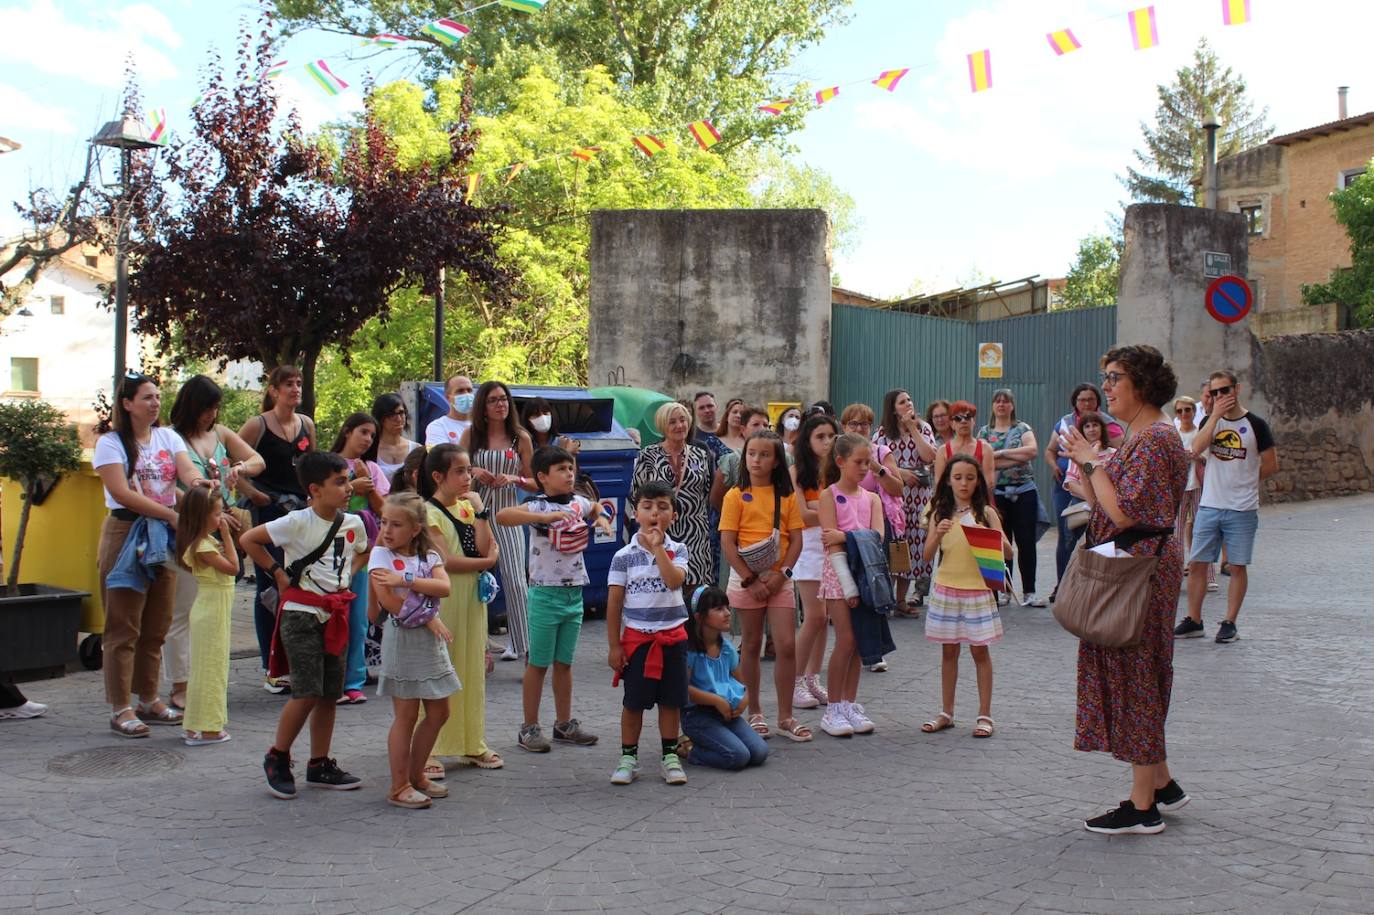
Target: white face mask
(463, 402)
(791, 423)
(541, 423)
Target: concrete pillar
(1161, 300)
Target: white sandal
(983, 726)
(939, 723)
(168, 715)
(131, 727)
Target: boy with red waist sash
(323, 548)
(645, 593)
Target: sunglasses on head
(1222, 391)
(962, 418)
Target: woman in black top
(281, 436)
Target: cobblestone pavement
(1272, 736)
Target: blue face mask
(463, 402)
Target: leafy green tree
(1171, 164)
(1352, 286)
(1095, 274)
(38, 446)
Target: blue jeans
(355, 664)
(722, 744)
(265, 618)
(1061, 498)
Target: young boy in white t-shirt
(312, 625)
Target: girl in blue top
(714, 716)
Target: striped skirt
(960, 615)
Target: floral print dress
(914, 501)
(1123, 693)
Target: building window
(1254, 218)
(92, 260)
(59, 304)
(24, 374)
(1349, 175)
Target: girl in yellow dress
(214, 564)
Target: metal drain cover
(115, 762)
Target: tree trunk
(309, 359)
(13, 581)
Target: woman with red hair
(961, 417)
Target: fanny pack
(762, 556)
(418, 609)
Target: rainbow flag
(586, 153)
(826, 95)
(277, 69)
(986, 544)
(1235, 12)
(525, 6)
(705, 135)
(515, 169)
(445, 31)
(980, 70)
(777, 107)
(1144, 28)
(386, 40)
(158, 133)
(889, 79)
(472, 181)
(1063, 41)
(321, 73)
(649, 144)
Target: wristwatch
(1088, 468)
(483, 515)
(787, 573)
(409, 577)
(882, 471)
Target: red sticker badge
(398, 565)
(510, 454)
(465, 512)
(671, 554)
(303, 444)
(452, 434)
(162, 455)
(349, 536)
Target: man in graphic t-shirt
(1240, 452)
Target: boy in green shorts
(558, 537)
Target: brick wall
(1318, 392)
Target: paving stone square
(1272, 736)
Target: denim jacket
(148, 545)
(867, 555)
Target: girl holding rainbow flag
(967, 531)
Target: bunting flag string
(472, 182)
(826, 95)
(1144, 28)
(276, 70)
(1063, 42)
(325, 78)
(515, 169)
(649, 144)
(525, 6)
(158, 133)
(889, 79)
(445, 31)
(778, 107)
(386, 40)
(705, 135)
(585, 153)
(1235, 12)
(980, 70)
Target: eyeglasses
(400, 414)
(1186, 410)
(1221, 392)
(498, 400)
(857, 424)
(1111, 378)
(962, 418)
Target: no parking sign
(1229, 299)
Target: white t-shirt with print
(1233, 463)
(547, 566)
(382, 558)
(446, 431)
(299, 532)
(156, 464)
(650, 605)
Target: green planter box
(38, 628)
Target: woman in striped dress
(500, 450)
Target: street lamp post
(126, 135)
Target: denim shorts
(1217, 527)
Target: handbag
(898, 557)
(1104, 599)
(1076, 515)
(762, 556)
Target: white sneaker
(27, 710)
(880, 667)
(801, 696)
(861, 723)
(509, 654)
(1034, 600)
(835, 722)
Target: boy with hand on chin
(558, 537)
(645, 593)
(323, 547)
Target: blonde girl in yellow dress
(214, 565)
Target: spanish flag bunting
(1235, 12)
(980, 70)
(1063, 41)
(325, 78)
(1144, 28)
(515, 169)
(705, 135)
(986, 544)
(649, 144)
(525, 6)
(777, 107)
(586, 153)
(889, 79)
(445, 31)
(826, 95)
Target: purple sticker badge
(1243, 430)
(747, 496)
(840, 499)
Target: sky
(950, 186)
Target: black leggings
(1019, 518)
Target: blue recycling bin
(607, 455)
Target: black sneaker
(280, 782)
(1126, 820)
(1226, 632)
(1171, 797)
(1188, 629)
(327, 774)
(570, 731)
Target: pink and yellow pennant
(1063, 42)
(778, 107)
(889, 79)
(980, 70)
(826, 95)
(705, 134)
(159, 124)
(649, 144)
(1144, 28)
(1235, 12)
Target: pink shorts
(741, 599)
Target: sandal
(794, 730)
(432, 789)
(407, 797)
(172, 700)
(938, 723)
(198, 738)
(434, 770)
(760, 726)
(488, 760)
(983, 727)
(148, 713)
(908, 610)
(130, 727)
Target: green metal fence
(1045, 355)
